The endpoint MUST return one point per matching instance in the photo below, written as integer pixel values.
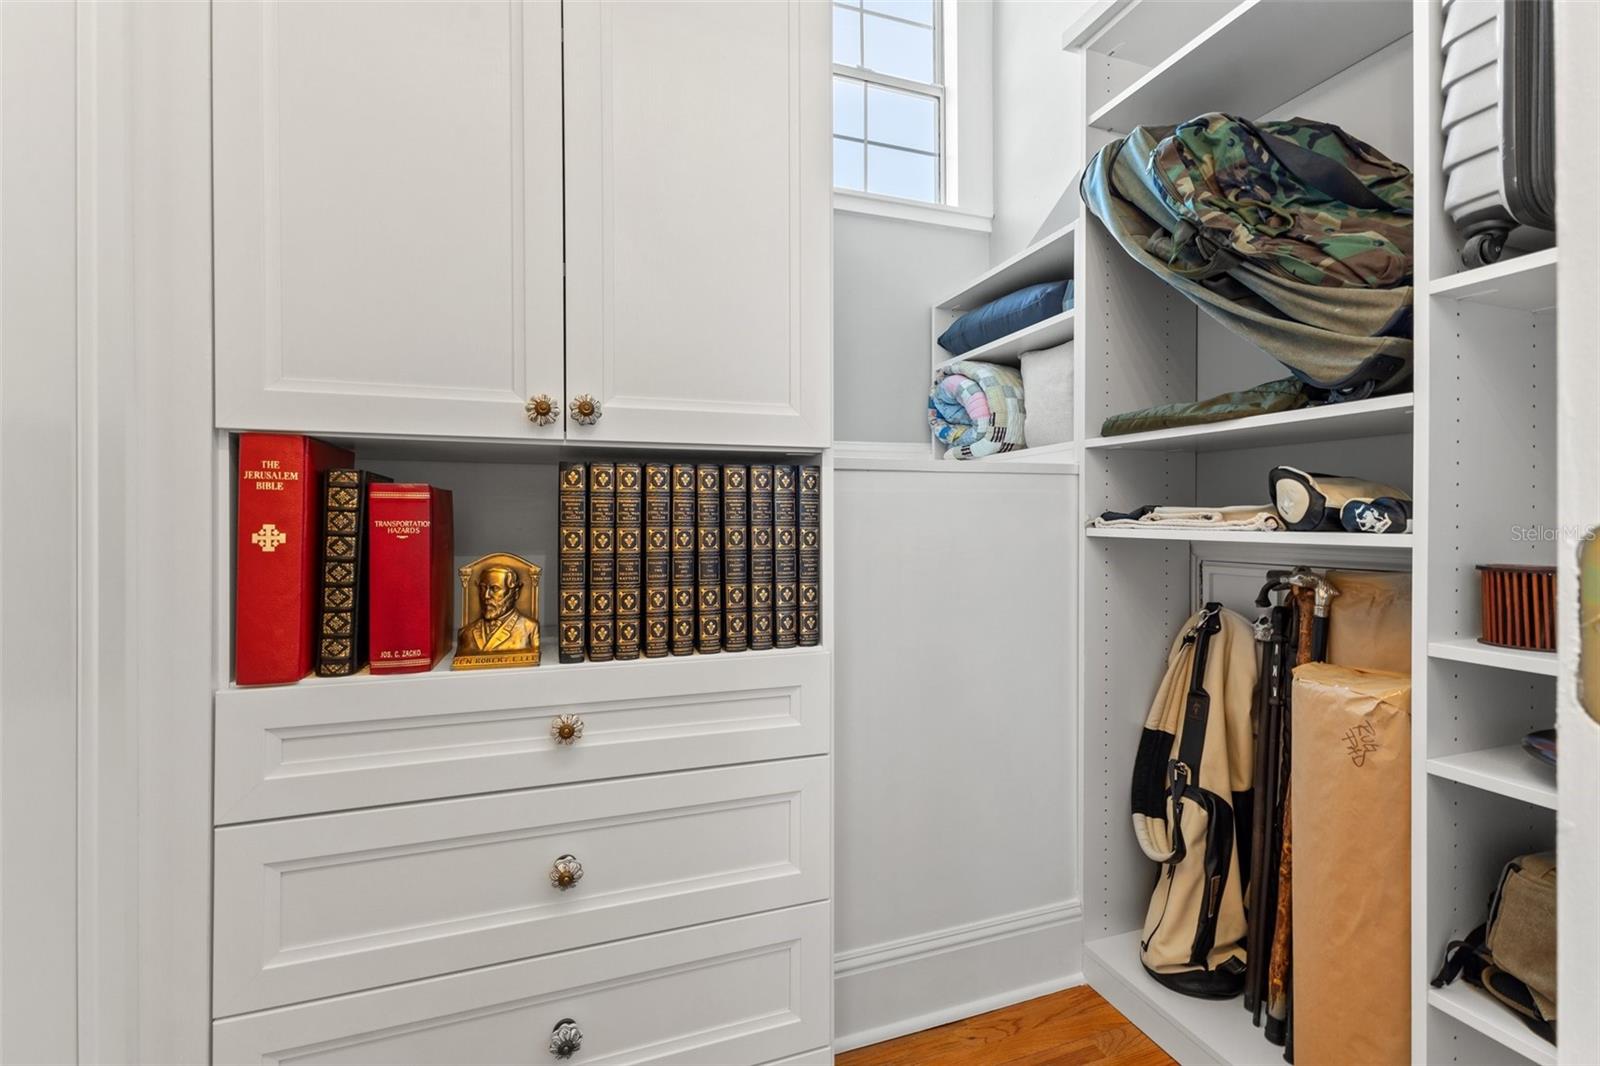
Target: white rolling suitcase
(1499, 121)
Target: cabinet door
(699, 224)
(388, 216)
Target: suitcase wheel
(1484, 248)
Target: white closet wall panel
(388, 216)
(698, 214)
(957, 841)
(39, 459)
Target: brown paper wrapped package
(1352, 866)
(1369, 623)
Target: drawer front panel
(318, 906)
(748, 990)
(341, 743)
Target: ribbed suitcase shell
(1498, 120)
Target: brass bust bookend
(499, 614)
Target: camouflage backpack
(1294, 234)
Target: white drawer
(317, 906)
(744, 991)
(328, 744)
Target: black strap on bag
(1328, 176)
(1184, 771)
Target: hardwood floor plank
(1075, 1027)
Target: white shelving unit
(1047, 259)
(1476, 1010)
(1470, 650)
(1380, 417)
(1525, 283)
(1249, 38)
(1008, 349)
(1505, 771)
(1198, 1030)
(1474, 443)
(1287, 541)
(1051, 258)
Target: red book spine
(279, 522)
(410, 566)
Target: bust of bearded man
(499, 625)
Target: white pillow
(1047, 394)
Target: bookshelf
(1481, 413)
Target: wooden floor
(1066, 1029)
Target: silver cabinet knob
(584, 409)
(566, 872)
(565, 1038)
(542, 409)
(567, 729)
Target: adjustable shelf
(1468, 650)
(1008, 350)
(1476, 1009)
(1207, 73)
(1189, 1029)
(1523, 283)
(1374, 542)
(1047, 259)
(1505, 771)
(1379, 417)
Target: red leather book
(279, 520)
(410, 567)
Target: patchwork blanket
(976, 409)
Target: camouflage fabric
(1293, 234)
(1285, 394)
(1228, 180)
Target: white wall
(956, 838)
(38, 556)
(1036, 151)
(887, 273)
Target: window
(888, 98)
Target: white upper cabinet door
(699, 221)
(388, 217)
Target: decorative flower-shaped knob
(565, 1038)
(585, 409)
(567, 729)
(566, 872)
(542, 409)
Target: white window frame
(935, 89)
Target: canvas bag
(1352, 883)
(1512, 956)
(1192, 806)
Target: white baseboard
(888, 990)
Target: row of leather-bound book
(661, 558)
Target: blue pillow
(1003, 317)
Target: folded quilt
(975, 409)
(1261, 517)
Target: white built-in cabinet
(429, 214)
(699, 220)
(427, 218)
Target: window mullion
(889, 81)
